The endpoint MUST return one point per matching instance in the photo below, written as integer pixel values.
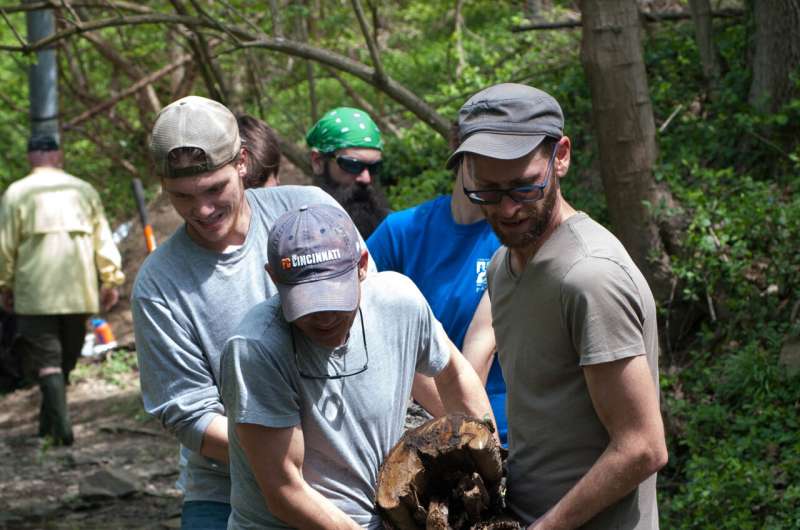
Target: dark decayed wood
(446, 474)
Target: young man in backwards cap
(195, 288)
(316, 380)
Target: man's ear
(363, 262)
(241, 165)
(563, 154)
(317, 162)
(268, 268)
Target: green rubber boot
(54, 409)
(45, 427)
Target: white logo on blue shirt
(480, 274)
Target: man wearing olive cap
(316, 379)
(575, 324)
(346, 158)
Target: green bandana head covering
(344, 127)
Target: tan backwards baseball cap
(198, 122)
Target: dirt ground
(44, 487)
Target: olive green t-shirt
(580, 301)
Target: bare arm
(425, 393)
(215, 440)
(276, 458)
(461, 389)
(626, 402)
(479, 344)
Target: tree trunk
(776, 53)
(458, 32)
(709, 55)
(611, 52)
(533, 9)
(445, 474)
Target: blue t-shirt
(447, 262)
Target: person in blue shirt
(444, 246)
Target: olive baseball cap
(314, 253)
(507, 121)
(199, 122)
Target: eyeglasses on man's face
(526, 194)
(338, 374)
(354, 166)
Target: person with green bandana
(346, 158)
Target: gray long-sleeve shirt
(186, 303)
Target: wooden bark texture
(446, 474)
(611, 52)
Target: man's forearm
(462, 391)
(300, 506)
(425, 393)
(615, 474)
(215, 440)
(479, 343)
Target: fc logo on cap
(286, 263)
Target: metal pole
(43, 77)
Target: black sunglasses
(338, 375)
(354, 166)
(522, 194)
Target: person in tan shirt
(55, 247)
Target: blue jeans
(205, 515)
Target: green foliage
(114, 368)
(734, 453)
(414, 166)
(732, 412)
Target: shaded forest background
(711, 127)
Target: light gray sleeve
(177, 384)
(433, 353)
(257, 386)
(602, 311)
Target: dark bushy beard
(366, 205)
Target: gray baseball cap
(314, 253)
(199, 122)
(507, 121)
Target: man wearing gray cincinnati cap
(316, 380)
(575, 324)
(195, 288)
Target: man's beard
(366, 204)
(541, 222)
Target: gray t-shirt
(186, 302)
(348, 424)
(580, 301)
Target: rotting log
(446, 474)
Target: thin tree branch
(380, 75)
(647, 17)
(140, 84)
(111, 153)
(383, 124)
(458, 24)
(130, 69)
(52, 4)
(197, 41)
(13, 29)
(389, 86)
